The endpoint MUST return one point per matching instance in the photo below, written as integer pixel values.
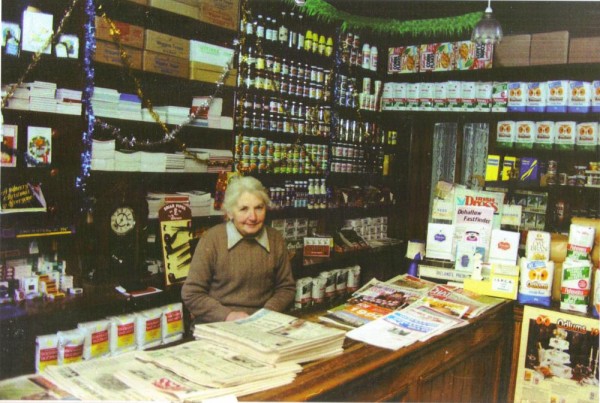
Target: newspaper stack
(147, 115)
(103, 155)
(128, 161)
(197, 164)
(130, 107)
(218, 160)
(274, 337)
(153, 162)
(105, 102)
(68, 101)
(174, 115)
(200, 202)
(19, 98)
(41, 96)
(189, 371)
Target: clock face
(122, 220)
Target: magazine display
(275, 337)
(374, 300)
(477, 304)
(405, 327)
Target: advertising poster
(558, 357)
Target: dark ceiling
(515, 16)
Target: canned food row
(326, 286)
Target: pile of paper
(130, 107)
(218, 160)
(161, 162)
(175, 115)
(196, 161)
(189, 371)
(147, 115)
(105, 102)
(274, 337)
(68, 101)
(200, 202)
(103, 155)
(41, 96)
(19, 99)
(128, 161)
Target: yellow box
(492, 168)
(211, 75)
(222, 13)
(108, 52)
(503, 282)
(167, 44)
(164, 64)
(182, 8)
(130, 35)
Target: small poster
(22, 197)
(11, 38)
(558, 357)
(67, 46)
(177, 240)
(39, 145)
(9, 145)
(37, 31)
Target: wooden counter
(467, 364)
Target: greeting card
(37, 31)
(39, 145)
(9, 145)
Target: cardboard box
(164, 64)
(549, 48)
(584, 50)
(212, 74)
(222, 13)
(513, 50)
(108, 52)
(167, 44)
(209, 53)
(130, 35)
(177, 7)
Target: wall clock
(122, 220)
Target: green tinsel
(322, 10)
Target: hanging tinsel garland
(322, 10)
(86, 99)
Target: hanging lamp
(488, 29)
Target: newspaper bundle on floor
(376, 299)
(402, 328)
(188, 372)
(275, 337)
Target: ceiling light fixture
(488, 29)
(300, 2)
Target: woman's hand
(235, 315)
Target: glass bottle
(283, 30)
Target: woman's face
(248, 214)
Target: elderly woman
(239, 266)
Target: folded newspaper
(275, 337)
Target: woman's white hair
(240, 185)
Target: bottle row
(281, 68)
(355, 54)
(267, 122)
(268, 85)
(355, 131)
(349, 95)
(287, 32)
(310, 194)
(257, 154)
